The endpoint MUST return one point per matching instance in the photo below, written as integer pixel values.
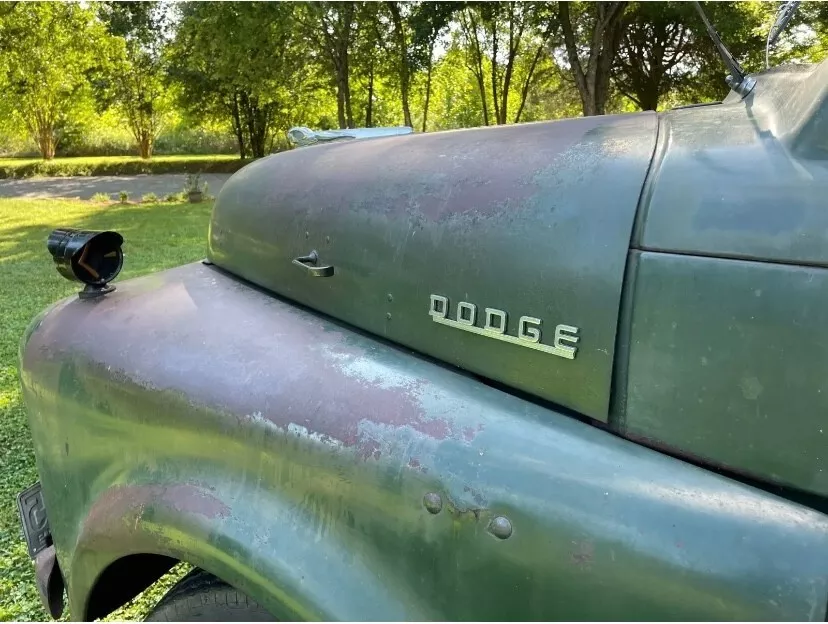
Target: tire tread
(200, 596)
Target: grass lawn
(158, 236)
(118, 165)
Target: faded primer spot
(189, 499)
(127, 503)
(751, 387)
(321, 438)
(582, 554)
(368, 448)
(477, 496)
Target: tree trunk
(145, 147)
(256, 129)
(470, 31)
(495, 102)
(349, 114)
(514, 48)
(258, 142)
(593, 84)
(340, 105)
(482, 88)
(648, 99)
(343, 96)
(237, 126)
(402, 50)
(46, 143)
(428, 83)
(405, 105)
(369, 107)
(344, 60)
(524, 92)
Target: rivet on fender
(500, 527)
(433, 502)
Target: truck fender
(196, 524)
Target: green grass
(117, 165)
(157, 236)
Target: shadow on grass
(150, 230)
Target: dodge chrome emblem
(494, 326)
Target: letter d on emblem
(495, 321)
(438, 306)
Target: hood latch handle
(310, 264)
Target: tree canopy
(257, 68)
(47, 52)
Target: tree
(332, 27)
(656, 42)
(415, 28)
(591, 37)
(455, 99)
(399, 17)
(498, 36)
(469, 25)
(542, 26)
(49, 49)
(369, 58)
(665, 50)
(134, 82)
(243, 61)
(428, 21)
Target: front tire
(201, 597)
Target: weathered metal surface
(190, 415)
(745, 179)
(533, 220)
(727, 363)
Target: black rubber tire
(201, 597)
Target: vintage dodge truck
(565, 370)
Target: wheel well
(122, 580)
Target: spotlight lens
(90, 257)
(100, 260)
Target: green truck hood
(717, 212)
(528, 220)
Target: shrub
(123, 196)
(150, 198)
(174, 197)
(101, 197)
(118, 165)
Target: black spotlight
(94, 258)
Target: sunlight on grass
(158, 236)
